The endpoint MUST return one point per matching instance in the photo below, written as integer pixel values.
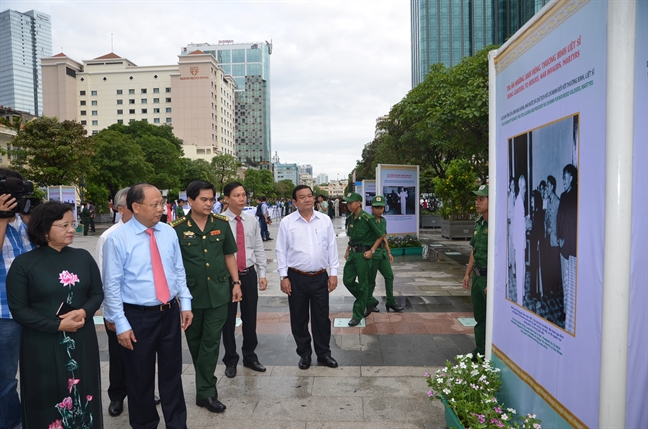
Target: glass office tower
(249, 64)
(445, 31)
(25, 38)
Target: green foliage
(469, 388)
(319, 191)
(224, 170)
(195, 169)
(396, 242)
(258, 182)
(454, 190)
(50, 152)
(284, 188)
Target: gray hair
(120, 197)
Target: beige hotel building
(195, 96)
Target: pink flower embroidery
(57, 424)
(89, 398)
(66, 403)
(72, 382)
(68, 279)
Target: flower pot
(452, 421)
(397, 251)
(412, 250)
(457, 228)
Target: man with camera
(14, 213)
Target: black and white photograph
(400, 200)
(542, 221)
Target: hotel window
(94, 102)
(156, 90)
(131, 101)
(167, 89)
(144, 111)
(168, 120)
(156, 110)
(93, 92)
(168, 100)
(144, 100)
(130, 121)
(131, 111)
(120, 101)
(81, 92)
(95, 113)
(83, 113)
(143, 90)
(83, 102)
(119, 92)
(156, 120)
(168, 110)
(131, 91)
(156, 100)
(94, 132)
(84, 122)
(95, 123)
(120, 112)
(120, 121)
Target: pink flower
(498, 410)
(57, 424)
(72, 382)
(497, 423)
(89, 398)
(68, 279)
(430, 394)
(66, 403)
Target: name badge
(189, 234)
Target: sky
(336, 66)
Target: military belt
(359, 248)
(479, 271)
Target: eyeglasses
(154, 206)
(66, 225)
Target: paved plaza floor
(380, 380)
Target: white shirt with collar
(254, 251)
(306, 245)
(101, 241)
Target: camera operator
(13, 236)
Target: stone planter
(412, 250)
(452, 421)
(457, 228)
(430, 221)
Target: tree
(284, 188)
(196, 169)
(50, 152)
(118, 162)
(258, 182)
(224, 168)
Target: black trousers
(116, 373)
(310, 292)
(158, 335)
(248, 319)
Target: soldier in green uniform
(364, 238)
(477, 266)
(381, 261)
(208, 248)
(179, 211)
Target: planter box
(452, 421)
(413, 250)
(398, 251)
(430, 221)
(457, 228)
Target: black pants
(248, 319)
(310, 292)
(116, 374)
(158, 335)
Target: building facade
(322, 178)
(286, 172)
(306, 168)
(445, 31)
(194, 96)
(25, 38)
(249, 65)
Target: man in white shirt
(306, 247)
(250, 258)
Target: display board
(399, 184)
(369, 191)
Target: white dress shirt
(306, 245)
(254, 251)
(100, 244)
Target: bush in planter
(454, 191)
(396, 242)
(469, 389)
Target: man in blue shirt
(13, 236)
(146, 326)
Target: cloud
(335, 68)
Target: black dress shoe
(367, 311)
(328, 361)
(254, 366)
(397, 308)
(116, 408)
(354, 322)
(230, 371)
(156, 399)
(304, 362)
(212, 404)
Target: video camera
(19, 189)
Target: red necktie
(159, 278)
(241, 257)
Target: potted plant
(405, 245)
(457, 203)
(467, 390)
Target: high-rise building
(286, 172)
(25, 38)
(445, 31)
(249, 64)
(306, 168)
(322, 178)
(194, 96)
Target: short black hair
(573, 172)
(194, 188)
(299, 188)
(6, 172)
(42, 218)
(220, 197)
(227, 190)
(552, 181)
(264, 198)
(136, 194)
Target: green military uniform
(203, 255)
(363, 231)
(380, 262)
(179, 212)
(85, 217)
(479, 242)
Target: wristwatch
(372, 251)
(238, 282)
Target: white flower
(446, 391)
(468, 355)
(474, 372)
(462, 365)
(439, 381)
(504, 417)
(510, 410)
